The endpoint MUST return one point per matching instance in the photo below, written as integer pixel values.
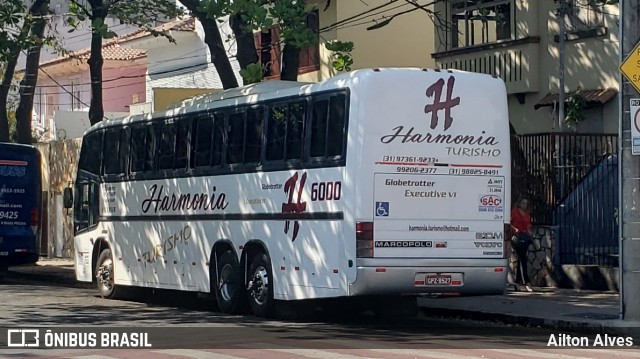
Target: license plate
(438, 280)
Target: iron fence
(572, 183)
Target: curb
(520, 320)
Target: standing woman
(521, 224)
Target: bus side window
(335, 127)
(137, 148)
(276, 132)
(125, 135)
(110, 152)
(203, 128)
(166, 146)
(182, 145)
(219, 137)
(235, 145)
(328, 127)
(295, 129)
(285, 131)
(92, 153)
(81, 206)
(253, 138)
(151, 148)
(319, 128)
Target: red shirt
(521, 220)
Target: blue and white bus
(20, 201)
(380, 184)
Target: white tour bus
(379, 183)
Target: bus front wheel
(228, 284)
(104, 275)
(260, 286)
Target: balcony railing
(516, 62)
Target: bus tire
(260, 286)
(228, 283)
(104, 275)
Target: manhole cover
(598, 316)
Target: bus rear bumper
(469, 279)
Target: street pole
(562, 11)
(629, 174)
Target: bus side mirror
(67, 198)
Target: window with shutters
(269, 46)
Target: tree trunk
(5, 86)
(290, 63)
(247, 53)
(219, 56)
(214, 42)
(96, 110)
(30, 80)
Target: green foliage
(291, 15)
(341, 54)
(98, 26)
(141, 13)
(252, 73)
(575, 105)
(12, 35)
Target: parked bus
(379, 183)
(20, 193)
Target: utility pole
(629, 162)
(562, 12)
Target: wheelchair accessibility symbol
(382, 209)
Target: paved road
(181, 326)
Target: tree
(245, 17)
(24, 112)
(16, 35)
(142, 13)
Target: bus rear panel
(20, 189)
(435, 198)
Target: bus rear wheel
(104, 275)
(228, 284)
(260, 286)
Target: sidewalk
(564, 309)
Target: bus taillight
(35, 219)
(364, 239)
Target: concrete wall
(543, 273)
(60, 159)
(407, 41)
(590, 63)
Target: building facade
(518, 41)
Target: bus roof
(16, 146)
(275, 89)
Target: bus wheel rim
(226, 282)
(261, 288)
(105, 276)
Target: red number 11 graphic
(291, 206)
